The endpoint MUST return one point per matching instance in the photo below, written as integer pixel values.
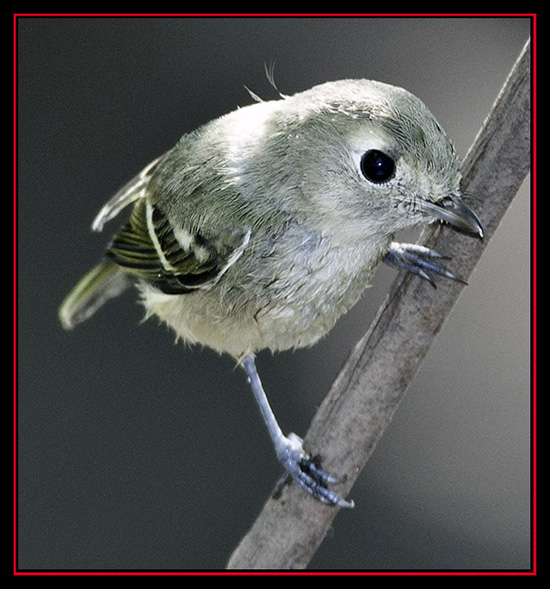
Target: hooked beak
(455, 212)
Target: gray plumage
(261, 228)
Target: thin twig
(365, 395)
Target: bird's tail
(103, 282)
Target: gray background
(134, 452)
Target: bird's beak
(453, 211)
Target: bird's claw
(419, 260)
(308, 473)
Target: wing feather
(129, 193)
(176, 260)
(148, 246)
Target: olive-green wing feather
(129, 193)
(176, 261)
(103, 282)
(107, 279)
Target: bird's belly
(292, 307)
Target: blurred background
(136, 453)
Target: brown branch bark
(365, 395)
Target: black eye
(377, 166)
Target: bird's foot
(419, 260)
(306, 471)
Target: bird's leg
(289, 448)
(419, 260)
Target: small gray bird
(262, 227)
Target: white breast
(280, 302)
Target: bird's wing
(176, 260)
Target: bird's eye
(377, 166)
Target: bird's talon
(418, 260)
(309, 474)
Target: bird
(261, 228)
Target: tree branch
(365, 395)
